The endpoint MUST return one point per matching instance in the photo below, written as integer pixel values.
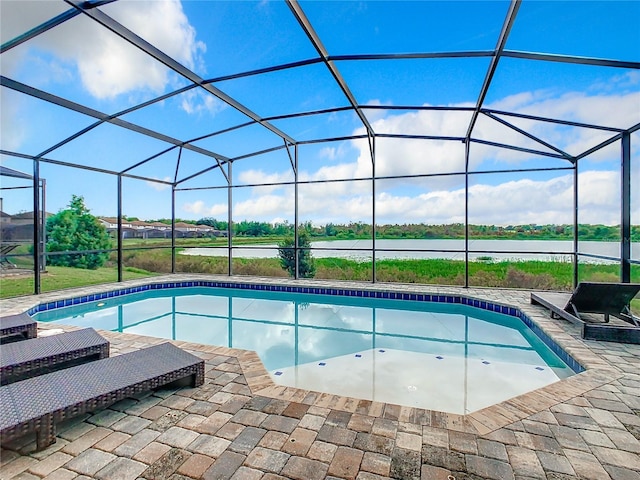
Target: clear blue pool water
(452, 358)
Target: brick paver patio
(239, 425)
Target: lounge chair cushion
(38, 403)
(20, 326)
(35, 356)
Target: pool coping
(597, 372)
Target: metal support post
(466, 212)
(372, 143)
(230, 218)
(119, 228)
(625, 223)
(173, 228)
(43, 224)
(296, 219)
(37, 245)
(576, 219)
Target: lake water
(547, 250)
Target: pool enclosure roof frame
(219, 161)
(90, 9)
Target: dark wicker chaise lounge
(607, 299)
(35, 356)
(18, 327)
(38, 403)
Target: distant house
(5, 218)
(111, 224)
(186, 230)
(17, 228)
(25, 218)
(144, 230)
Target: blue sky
(215, 39)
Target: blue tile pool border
(343, 292)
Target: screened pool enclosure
(468, 133)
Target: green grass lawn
(58, 278)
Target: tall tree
(75, 229)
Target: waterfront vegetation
(532, 274)
(360, 230)
(149, 257)
(523, 274)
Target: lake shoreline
(413, 249)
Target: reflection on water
(293, 333)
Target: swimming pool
(439, 355)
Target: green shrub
(287, 254)
(75, 229)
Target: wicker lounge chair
(29, 358)
(607, 299)
(17, 327)
(38, 403)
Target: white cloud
(599, 198)
(321, 192)
(107, 65)
(330, 153)
(13, 131)
(199, 209)
(599, 106)
(265, 206)
(522, 201)
(196, 207)
(80, 52)
(375, 114)
(513, 202)
(432, 207)
(415, 157)
(519, 201)
(199, 102)
(258, 177)
(440, 199)
(619, 110)
(159, 186)
(340, 171)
